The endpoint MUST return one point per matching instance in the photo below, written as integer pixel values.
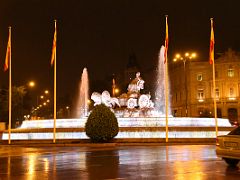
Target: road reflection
(232, 172)
(8, 166)
(135, 162)
(102, 164)
(31, 163)
(191, 170)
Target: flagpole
(10, 91)
(214, 85)
(214, 100)
(55, 89)
(166, 98)
(166, 80)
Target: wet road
(194, 162)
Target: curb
(113, 143)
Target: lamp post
(46, 92)
(187, 56)
(42, 101)
(68, 111)
(26, 88)
(31, 84)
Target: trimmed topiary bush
(102, 124)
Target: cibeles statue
(135, 86)
(132, 99)
(134, 96)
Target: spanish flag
(166, 41)
(8, 53)
(54, 44)
(211, 51)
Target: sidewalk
(114, 142)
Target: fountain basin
(150, 127)
(130, 122)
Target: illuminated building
(199, 80)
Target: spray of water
(82, 105)
(160, 85)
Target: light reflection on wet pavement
(195, 162)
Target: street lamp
(187, 56)
(31, 83)
(68, 111)
(116, 91)
(46, 92)
(24, 90)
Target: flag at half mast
(8, 53)
(211, 50)
(54, 45)
(166, 41)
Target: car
(234, 122)
(228, 147)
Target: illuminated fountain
(138, 117)
(82, 105)
(135, 104)
(160, 86)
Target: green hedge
(102, 124)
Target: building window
(216, 74)
(217, 93)
(230, 71)
(199, 77)
(200, 95)
(231, 92)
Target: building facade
(192, 91)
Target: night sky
(100, 35)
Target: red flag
(166, 42)
(211, 51)
(8, 53)
(54, 45)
